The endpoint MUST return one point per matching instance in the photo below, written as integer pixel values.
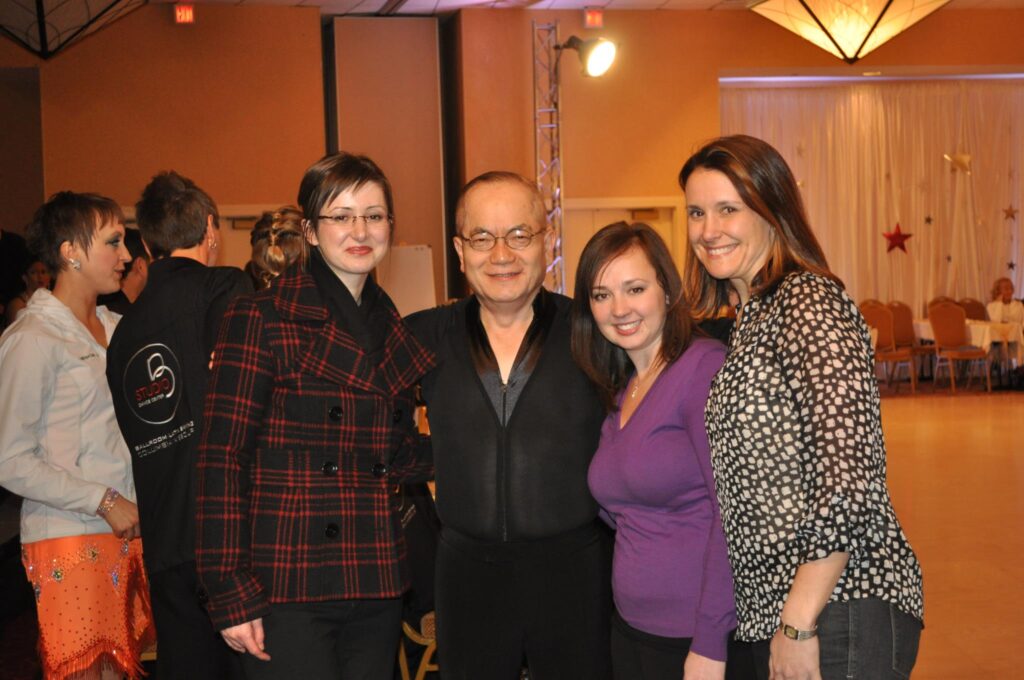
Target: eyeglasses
(346, 220)
(515, 239)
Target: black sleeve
(224, 285)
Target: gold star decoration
(1010, 212)
(959, 161)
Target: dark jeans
(343, 639)
(545, 601)
(865, 639)
(188, 646)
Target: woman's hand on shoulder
(793, 659)
(697, 667)
(123, 518)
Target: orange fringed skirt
(92, 597)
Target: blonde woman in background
(1003, 308)
(277, 243)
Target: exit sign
(593, 18)
(184, 14)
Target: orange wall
(21, 141)
(389, 107)
(234, 101)
(627, 134)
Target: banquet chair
(880, 317)
(425, 636)
(975, 309)
(904, 335)
(936, 300)
(949, 324)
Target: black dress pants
(188, 646)
(543, 603)
(337, 640)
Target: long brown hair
(767, 186)
(605, 363)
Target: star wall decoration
(949, 258)
(1011, 265)
(928, 219)
(959, 161)
(1010, 212)
(896, 239)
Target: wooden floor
(956, 472)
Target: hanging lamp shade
(848, 29)
(45, 27)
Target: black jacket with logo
(158, 368)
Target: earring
(667, 303)
(75, 264)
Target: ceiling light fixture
(848, 29)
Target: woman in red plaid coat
(308, 428)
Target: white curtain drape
(870, 156)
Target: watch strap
(797, 634)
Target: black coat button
(334, 413)
(332, 531)
(397, 415)
(329, 468)
(380, 469)
(202, 596)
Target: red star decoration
(896, 239)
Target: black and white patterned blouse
(799, 458)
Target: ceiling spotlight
(596, 55)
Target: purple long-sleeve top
(653, 480)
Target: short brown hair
(767, 186)
(605, 363)
(335, 173)
(540, 212)
(68, 216)
(172, 214)
(995, 286)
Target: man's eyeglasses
(515, 239)
(348, 220)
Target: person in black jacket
(523, 570)
(157, 367)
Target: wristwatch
(797, 634)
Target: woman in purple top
(652, 471)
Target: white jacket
(60, 447)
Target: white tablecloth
(983, 334)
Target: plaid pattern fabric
(304, 439)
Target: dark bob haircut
(72, 217)
(605, 363)
(335, 173)
(172, 214)
(767, 186)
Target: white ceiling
(68, 20)
(444, 6)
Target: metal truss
(547, 140)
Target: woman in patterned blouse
(827, 585)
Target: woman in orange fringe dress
(60, 448)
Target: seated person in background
(277, 243)
(34, 275)
(157, 368)
(1003, 308)
(135, 274)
